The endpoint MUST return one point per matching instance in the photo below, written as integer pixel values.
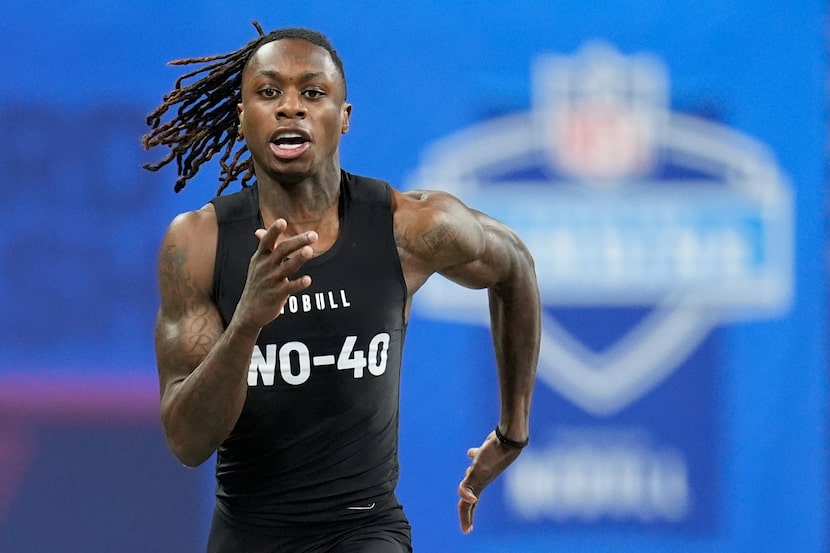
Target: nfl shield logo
(600, 113)
(623, 204)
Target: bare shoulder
(427, 201)
(434, 230)
(188, 253)
(436, 223)
(193, 223)
(437, 233)
(422, 196)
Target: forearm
(515, 324)
(200, 409)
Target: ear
(347, 113)
(240, 111)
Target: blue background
(82, 222)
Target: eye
(269, 92)
(314, 93)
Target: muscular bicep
(437, 233)
(498, 252)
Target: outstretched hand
(274, 261)
(488, 461)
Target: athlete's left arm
(476, 251)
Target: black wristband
(510, 443)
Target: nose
(291, 106)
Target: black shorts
(387, 531)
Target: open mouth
(289, 145)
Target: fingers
(268, 237)
(466, 493)
(289, 264)
(273, 274)
(276, 259)
(488, 461)
(294, 249)
(467, 502)
(466, 507)
(465, 515)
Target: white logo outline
(682, 316)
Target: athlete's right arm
(202, 366)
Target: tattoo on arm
(441, 237)
(203, 334)
(174, 282)
(182, 304)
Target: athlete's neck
(311, 204)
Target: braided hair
(206, 121)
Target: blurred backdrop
(666, 162)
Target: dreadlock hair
(206, 121)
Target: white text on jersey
(318, 301)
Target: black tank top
(317, 440)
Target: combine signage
(650, 229)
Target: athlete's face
(293, 109)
